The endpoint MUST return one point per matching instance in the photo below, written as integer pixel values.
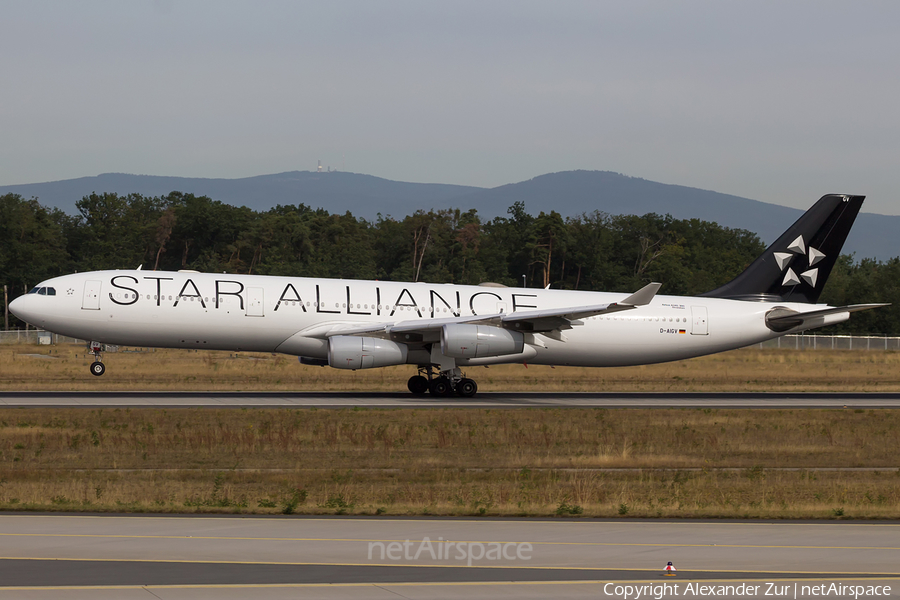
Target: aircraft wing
(537, 321)
(529, 321)
(783, 319)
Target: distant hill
(363, 195)
(576, 192)
(569, 193)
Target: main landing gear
(445, 384)
(97, 367)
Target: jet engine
(351, 352)
(477, 341)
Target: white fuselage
(283, 314)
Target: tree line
(593, 251)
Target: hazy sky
(777, 101)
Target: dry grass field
(66, 368)
(591, 462)
(566, 462)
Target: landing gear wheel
(417, 384)
(441, 386)
(98, 368)
(466, 388)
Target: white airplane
(443, 328)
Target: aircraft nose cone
(23, 308)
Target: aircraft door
(91, 299)
(254, 302)
(699, 325)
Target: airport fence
(795, 342)
(36, 336)
(833, 342)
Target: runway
(49, 556)
(482, 400)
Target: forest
(593, 251)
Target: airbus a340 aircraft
(444, 328)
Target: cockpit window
(43, 291)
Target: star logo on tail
(785, 261)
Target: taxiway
(109, 556)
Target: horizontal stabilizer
(783, 319)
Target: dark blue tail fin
(796, 266)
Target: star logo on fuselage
(785, 261)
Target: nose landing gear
(97, 367)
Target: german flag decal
(682, 331)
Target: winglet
(642, 296)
